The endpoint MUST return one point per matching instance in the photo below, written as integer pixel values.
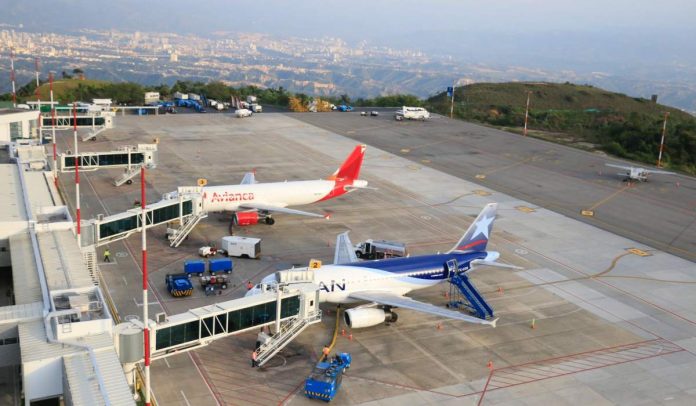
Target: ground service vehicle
(242, 113)
(207, 251)
(179, 285)
(220, 265)
(326, 377)
(412, 113)
(210, 283)
(245, 247)
(194, 266)
(345, 107)
(256, 108)
(378, 249)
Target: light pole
(452, 101)
(526, 113)
(662, 141)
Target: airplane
(251, 201)
(638, 173)
(383, 283)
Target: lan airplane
(383, 283)
(251, 201)
(638, 173)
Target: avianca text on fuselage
(231, 197)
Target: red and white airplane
(252, 202)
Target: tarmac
(586, 322)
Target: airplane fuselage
(283, 194)
(395, 275)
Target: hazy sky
(355, 19)
(557, 34)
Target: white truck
(378, 249)
(244, 247)
(256, 108)
(251, 99)
(412, 113)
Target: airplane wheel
(270, 221)
(129, 182)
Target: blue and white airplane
(383, 283)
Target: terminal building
(56, 331)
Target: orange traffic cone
(490, 365)
(343, 332)
(350, 336)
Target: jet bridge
(183, 206)
(291, 307)
(130, 158)
(66, 121)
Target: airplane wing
(344, 253)
(390, 299)
(628, 168)
(277, 209)
(659, 172)
(249, 179)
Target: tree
(65, 75)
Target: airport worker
(107, 255)
(254, 356)
(326, 351)
(249, 285)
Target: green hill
(582, 116)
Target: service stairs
(92, 135)
(464, 294)
(288, 332)
(127, 176)
(178, 235)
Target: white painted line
(184, 396)
(149, 303)
(166, 362)
(125, 282)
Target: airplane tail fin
(350, 169)
(476, 237)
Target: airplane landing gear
(269, 220)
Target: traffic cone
(533, 326)
(343, 332)
(490, 365)
(350, 336)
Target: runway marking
(405, 150)
(502, 168)
(525, 209)
(481, 193)
(587, 213)
(480, 176)
(611, 196)
(425, 161)
(185, 399)
(638, 252)
(166, 362)
(149, 303)
(125, 281)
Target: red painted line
(485, 387)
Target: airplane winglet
(494, 322)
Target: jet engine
(245, 218)
(367, 317)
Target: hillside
(64, 88)
(583, 116)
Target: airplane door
(450, 268)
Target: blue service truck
(220, 265)
(179, 284)
(194, 267)
(326, 377)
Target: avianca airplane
(251, 201)
(383, 283)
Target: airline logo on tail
(476, 237)
(347, 175)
